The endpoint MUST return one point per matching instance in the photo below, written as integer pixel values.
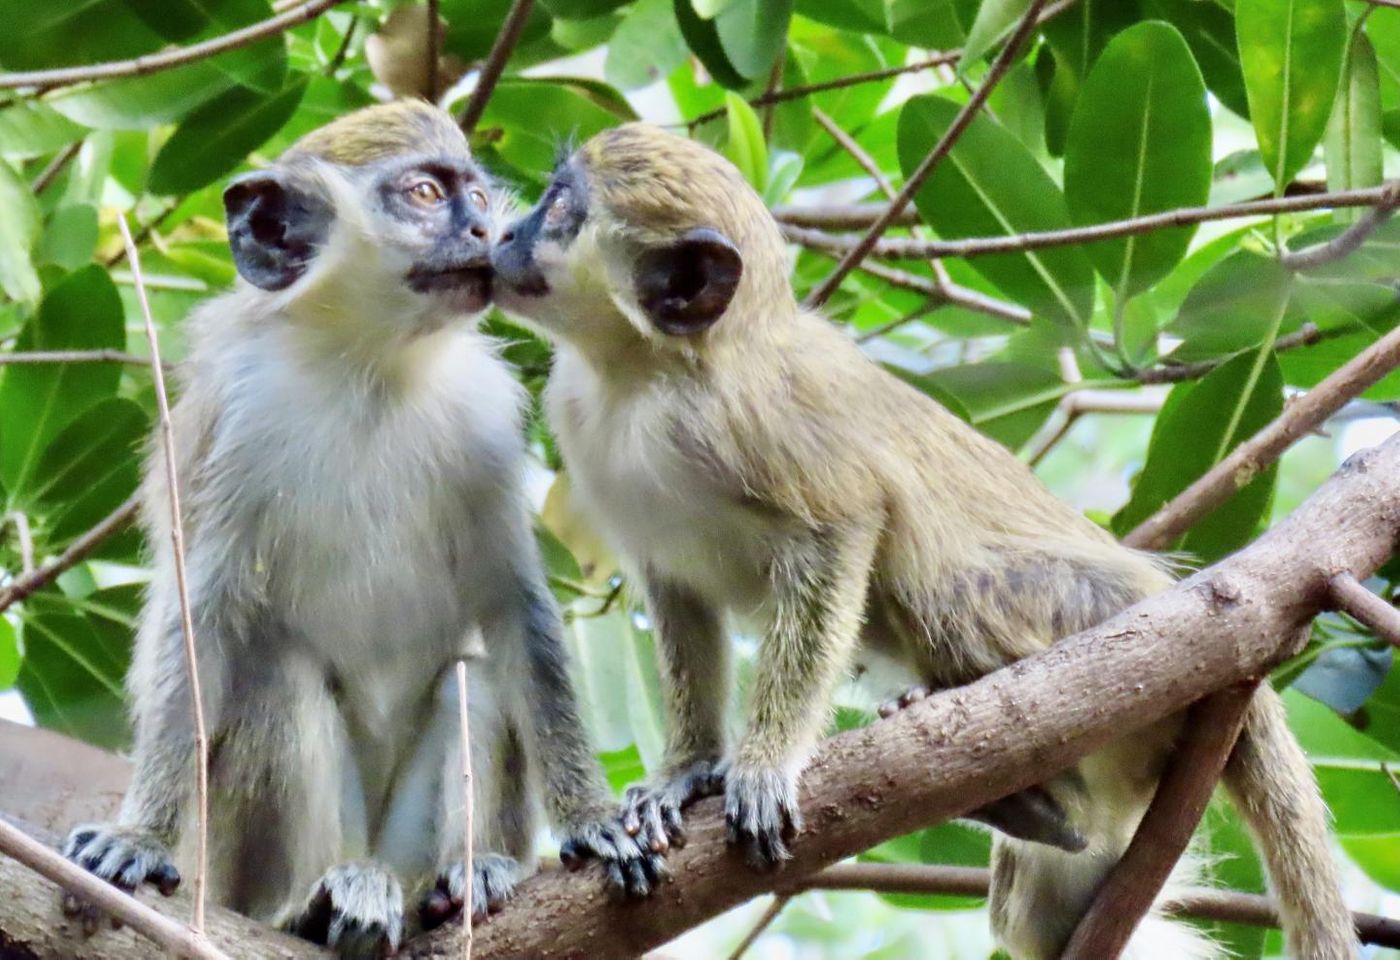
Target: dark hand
(760, 808)
(125, 857)
(493, 883)
(630, 871)
(652, 812)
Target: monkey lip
(465, 285)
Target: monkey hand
(629, 869)
(761, 811)
(125, 857)
(651, 812)
(356, 909)
(493, 883)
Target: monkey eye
(478, 198)
(426, 191)
(558, 209)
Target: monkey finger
(165, 878)
(437, 908)
(631, 818)
(657, 837)
(573, 855)
(615, 881)
(675, 826)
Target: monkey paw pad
(652, 812)
(493, 883)
(125, 857)
(760, 809)
(630, 870)
(356, 909)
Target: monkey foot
(493, 883)
(760, 808)
(125, 857)
(630, 870)
(356, 909)
(911, 696)
(652, 812)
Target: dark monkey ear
(273, 229)
(687, 286)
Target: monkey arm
(694, 660)
(819, 588)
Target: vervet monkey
(749, 460)
(350, 453)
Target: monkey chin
(465, 289)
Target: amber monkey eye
(426, 191)
(558, 209)
(478, 198)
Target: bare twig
(1241, 465)
(26, 540)
(434, 51)
(1350, 239)
(908, 248)
(343, 51)
(1169, 372)
(78, 551)
(764, 922)
(921, 173)
(55, 167)
(467, 865)
(164, 60)
(1202, 903)
(1363, 606)
(1075, 405)
(177, 538)
(174, 937)
(495, 63)
(1182, 794)
(841, 216)
(146, 230)
(73, 356)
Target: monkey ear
(273, 229)
(685, 287)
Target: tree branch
(1350, 239)
(1365, 607)
(73, 356)
(78, 551)
(164, 60)
(1241, 465)
(511, 28)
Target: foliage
(1118, 109)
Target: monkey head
(381, 213)
(642, 233)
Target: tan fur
(766, 468)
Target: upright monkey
(350, 453)
(747, 459)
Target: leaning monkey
(350, 454)
(747, 459)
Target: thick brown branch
(1241, 465)
(1131, 886)
(1365, 607)
(495, 64)
(154, 62)
(78, 551)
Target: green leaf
(994, 19)
(39, 36)
(70, 237)
(581, 9)
(9, 655)
(1352, 146)
(1291, 51)
(867, 16)
(1209, 30)
(71, 680)
(1231, 308)
(745, 147)
(19, 230)
(212, 141)
(1006, 401)
(703, 39)
(752, 33)
(934, 24)
(646, 46)
(1139, 143)
(990, 185)
(89, 468)
(83, 312)
(1200, 424)
(31, 128)
(950, 843)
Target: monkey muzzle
(466, 285)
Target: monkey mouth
(467, 285)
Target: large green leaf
(89, 468)
(19, 230)
(38, 36)
(867, 16)
(1352, 146)
(38, 400)
(1139, 143)
(581, 9)
(995, 18)
(752, 33)
(213, 140)
(1008, 401)
(703, 39)
(1231, 308)
(71, 680)
(646, 46)
(1200, 423)
(1209, 30)
(990, 185)
(29, 128)
(933, 24)
(1291, 51)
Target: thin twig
(775, 85)
(434, 52)
(764, 922)
(840, 216)
(73, 356)
(467, 865)
(1305, 336)
(26, 541)
(1363, 606)
(908, 248)
(177, 538)
(55, 167)
(1244, 463)
(921, 173)
(177, 939)
(1201, 903)
(1182, 794)
(1075, 405)
(1350, 239)
(164, 60)
(343, 51)
(78, 551)
(146, 230)
(495, 63)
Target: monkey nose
(478, 231)
(508, 236)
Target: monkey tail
(1272, 785)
